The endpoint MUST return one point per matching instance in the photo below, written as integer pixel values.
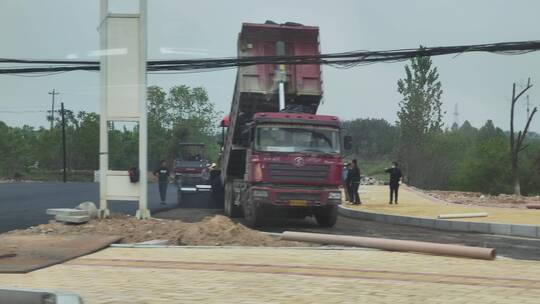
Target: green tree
(85, 140)
(372, 138)
(183, 115)
(530, 168)
(488, 131)
(420, 108)
(486, 169)
(419, 114)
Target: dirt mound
(216, 230)
(220, 230)
(479, 199)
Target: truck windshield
(297, 139)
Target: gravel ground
(486, 200)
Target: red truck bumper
(295, 197)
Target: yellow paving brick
(278, 275)
(375, 199)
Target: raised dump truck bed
(303, 82)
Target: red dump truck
(279, 158)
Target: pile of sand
(211, 231)
(479, 199)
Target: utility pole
(63, 142)
(53, 93)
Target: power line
(343, 60)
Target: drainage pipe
(462, 215)
(392, 245)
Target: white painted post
(143, 211)
(103, 130)
(123, 98)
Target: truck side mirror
(347, 142)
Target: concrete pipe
(392, 245)
(462, 215)
(533, 206)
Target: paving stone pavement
(411, 203)
(284, 275)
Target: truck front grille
(288, 172)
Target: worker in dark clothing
(162, 173)
(395, 180)
(353, 182)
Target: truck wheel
(252, 214)
(230, 209)
(327, 216)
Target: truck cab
(292, 169)
(294, 163)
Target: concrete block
(524, 230)
(357, 215)
(427, 223)
(479, 227)
(392, 219)
(407, 220)
(66, 211)
(343, 211)
(379, 218)
(360, 215)
(347, 212)
(368, 215)
(459, 226)
(88, 207)
(500, 229)
(401, 220)
(76, 219)
(443, 225)
(414, 221)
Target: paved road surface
(23, 204)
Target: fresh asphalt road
(24, 204)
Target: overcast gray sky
(479, 83)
